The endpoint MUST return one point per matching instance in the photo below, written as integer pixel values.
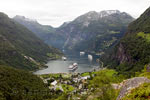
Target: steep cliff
(95, 31)
(132, 52)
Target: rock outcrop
(127, 85)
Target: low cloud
(55, 12)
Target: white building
(85, 77)
(54, 83)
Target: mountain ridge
(20, 48)
(44, 32)
(89, 25)
(90, 29)
(132, 53)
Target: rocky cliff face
(132, 52)
(127, 85)
(122, 55)
(95, 31)
(140, 25)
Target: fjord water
(60, 66)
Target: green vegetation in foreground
(98, 87)
(20, 85)
(56, 76)
(143, 91)
(140, 93)
(67, 88)
(102, 85)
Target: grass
(85, 74)
(56, 76)
(144, 36)
(143, 91)
(67, 88)
(110, 72)
(51, 76)
(53, 55)
(101, 84)
(140, 93)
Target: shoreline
(73, 73)
(93, 67)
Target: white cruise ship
(73, 67)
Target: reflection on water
(60, 66)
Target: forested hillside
(20, 85)
(20, 48)
(132, 52)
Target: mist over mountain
(45, 32)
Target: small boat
(90, 57)
(64, 58)
(73, 67)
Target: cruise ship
(73, 67)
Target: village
(70, 83)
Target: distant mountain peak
(88, 17)
(108, 13)
(91, 13)
(24, 18)
(103, 13)
(111, 11)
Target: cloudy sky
(55, 12)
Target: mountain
(132, 52)
(45, 32)
(91, 32)
(20, 48)
(94, 31)
(33, 25)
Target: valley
(90, 32)
(101, 55)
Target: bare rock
(127, 85)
